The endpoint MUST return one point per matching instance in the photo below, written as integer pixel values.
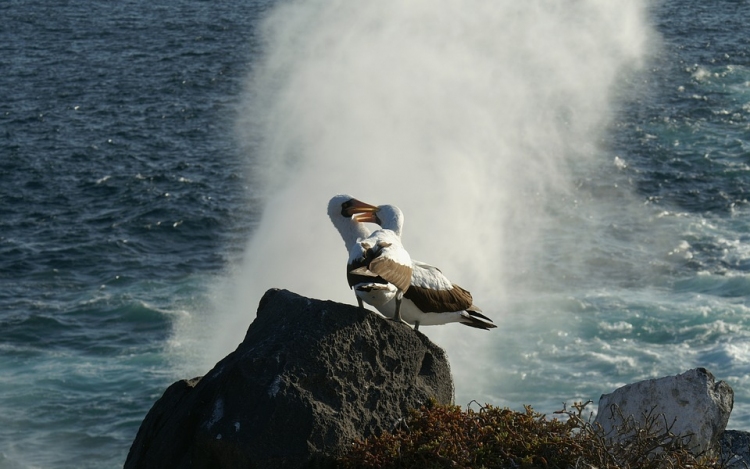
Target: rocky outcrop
(309, 378)
(690, 405)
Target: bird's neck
(351, 231)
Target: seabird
(430, 299)
(377, 269)
(340, 210)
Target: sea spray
(469, 115)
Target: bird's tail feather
(473, 318)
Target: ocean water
(583, 170)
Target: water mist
(469, 115)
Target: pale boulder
(692, 403)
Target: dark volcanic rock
(309, 378)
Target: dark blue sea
(583, 169)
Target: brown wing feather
(355, 274)
(439, 301)
(395, 273)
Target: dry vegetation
(438, 436)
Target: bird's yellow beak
(356, 207)
(367, 217)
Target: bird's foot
(400, 321)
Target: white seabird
(368, 285)
(430, 299)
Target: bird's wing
(432, 292)
(392, 271)
(429, 276)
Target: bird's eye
(344, 208)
